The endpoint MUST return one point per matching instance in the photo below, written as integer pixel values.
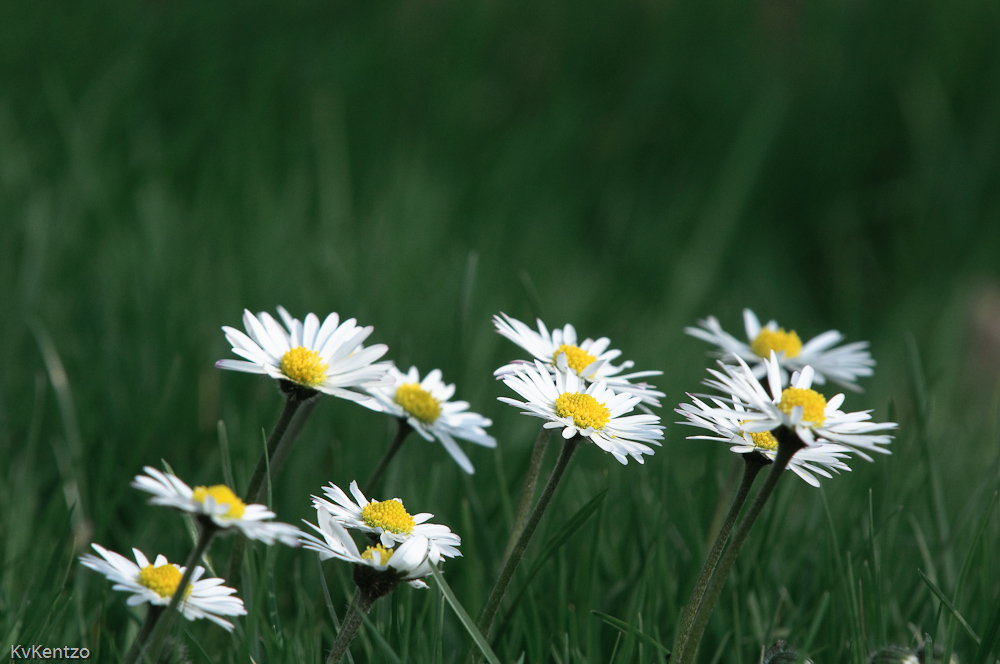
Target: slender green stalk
(360, 605)
(152, 616)
(753, 463)
(154, 640)
(507, 573)
(291, 434)
(401, 433)
(528, 491)
(788, 444)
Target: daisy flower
(798, 407)
(217, 503)
(725, 421)
(410, 561)
(425, 406)
(328, 358)
(589, 359)
(387, 521)
(591, 411)
(156, 583)
(843, 364)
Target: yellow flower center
(303, 366)
(162, 580)
(585, 410)
(778, 341)
(223, 495)
(418, 402)
(812, 402)
(577, 358)
(389, 515)
(384, 553)
(765, 440)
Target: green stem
(154, 642)
(788, 444)
(753, 463)
(528, 491)
(360, 605)
(401, 433)
(152, 616)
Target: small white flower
(425, 406)
(592, 411)
(410, 561)
(156, 583)
(388, 519)
(589, 359)
(328, 357)
(219, 503)
(843, 364)
(798, 407)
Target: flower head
(425, 406)
(590, 359)
(327, 357)
(842, 364)
(593, 411)
(217, 503)
(156, 583)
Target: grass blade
(629, 630)
(463, 616)
(951, 607)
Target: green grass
(628, 168)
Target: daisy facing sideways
(590, 359)
(424, 405)
(325, 357)
(841, 364)
(593, 411)
(156, 583)
(217, 503)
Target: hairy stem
(401, 433)
(528, 491)
(360, 605)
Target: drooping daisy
(218, 503)
(425, 406)
(842, 364)
(725, 421)
(798, 407)
(328, 358)
(589, 359)
(591, 411)
(387, 520)
(156, 583)
(409, 562)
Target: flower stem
(401, 433)
(788, 444)
(753, 463)
(528, 491)
(360, 605)
(152, 616)
(507, 573)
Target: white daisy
(218, 503)
(798, 407)
(410, 561)
(387, 520)
(425, 406)
(328, 357)
(592, 411)
(725, 420)
(590, 359)
(156, 583)
(843, 364)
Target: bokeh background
(627, 167)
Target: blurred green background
(627, 167)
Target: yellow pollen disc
(577, 358)
(303, 366)
(585, 410)
(418, 402)
(764, 440)
(223, 495)
(389, 515)
(778, 341)
(162, 580)
(812, 402)
(384, 553)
